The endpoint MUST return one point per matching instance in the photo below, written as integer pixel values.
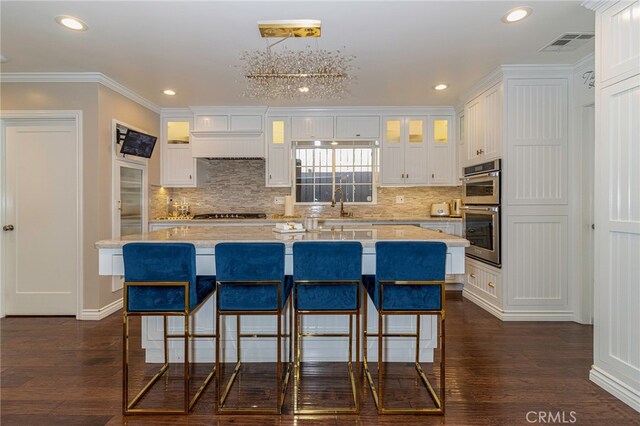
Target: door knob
(7, 228)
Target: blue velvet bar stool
(327, 279)
(409, 280)
(160, 280)
(251, 281)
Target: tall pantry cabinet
(616, 364)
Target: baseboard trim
(531, 315)
(615, 387)
(489, 307)
(98, 314)
(510, 315)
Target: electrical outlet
(278, 200)
(399, 199)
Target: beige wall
(112, 105)
(99, 106)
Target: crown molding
(360, 110)
(485, 83)
(595, 4)
(587, 60)
(78, 77)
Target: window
(323, 168)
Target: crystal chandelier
(288, 74)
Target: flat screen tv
(138, 144)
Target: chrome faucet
(333, 203)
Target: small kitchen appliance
(440, 209)
(455, 207)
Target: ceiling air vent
(567, 42)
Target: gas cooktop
(230, 216)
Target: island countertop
(208, 237)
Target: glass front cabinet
(178, 165)
(404, 151)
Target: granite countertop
(207, 237)
(272, 220)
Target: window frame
(375, 168)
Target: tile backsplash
(239, 186)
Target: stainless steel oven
(482, 229)
(481, 184)
(481, 211)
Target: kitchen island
(318, 349)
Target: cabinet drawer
(483, 281)
(358, 127)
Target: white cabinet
(278, 170)
(311, 128)
(461, 149)
(484, 126)
(227, 133)
(440, 153)
(177, 165)
(619, 41)
(214, 123)
(228, 123)
(358, 127)
(482, 284)
(404, 151)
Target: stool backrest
(410, 261)
(249, 261)
(161, 262)
(326, 261)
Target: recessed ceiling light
(517, 14)
(303, 89)
(169, 92)
(440, 86)
(71, 23)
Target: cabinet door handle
(403, 176)
(269, 175)
(358, 135)
(407, 175)
(472, 275)
(433, 175)
(491, 284)
(190, 177)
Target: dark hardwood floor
(59, 371)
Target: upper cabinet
(278, 152)
(228, 133)
(441, 160)
(178, 167)
(357, 127)
(312, 128)
(483, 126)
(619, 41)
(404, 151)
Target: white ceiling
(402, 48)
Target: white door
(40, 232)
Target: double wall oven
(481, 211)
